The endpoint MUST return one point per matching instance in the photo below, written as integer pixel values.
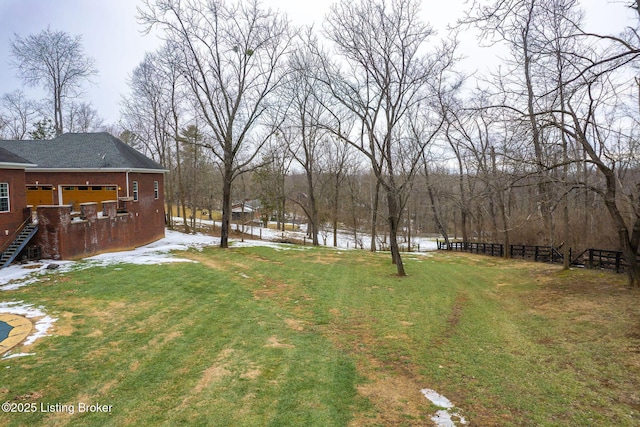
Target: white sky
(111, 35)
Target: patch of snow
(42, 324)
(42, 327)
(436, 398)
(17, 276)
(267, 244)
(156, 252)
(443, 417)
(345, 239)
(11, 356)
(21, 309)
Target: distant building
(88, 192)
(245, 211)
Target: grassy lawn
(316, 337)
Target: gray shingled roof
(81, 151)
(9, 157)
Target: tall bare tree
(56, 61)
(386, 80)
(152, 115)
(231, 57)
(301, 129)
(583, 83)
(519, 24)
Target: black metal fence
(589, 258)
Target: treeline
(369, 121)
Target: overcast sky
(112, 36)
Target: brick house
(92, 193)
(12, 194)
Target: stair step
(20, 242)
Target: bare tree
(55, 61)
(269, 179)
(520, 24)
(337, 162)
(391, 86)
(81, 117)
(585, 122)
(17, 114)
(231, 56)
(152, 113)
(582, 84)
(301, 129)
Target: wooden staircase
(14, 249)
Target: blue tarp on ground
(5, 328)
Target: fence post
(617, 262)
(590, 258)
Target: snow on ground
(157, 252)
(443, 417)
(42, 324)
(17, 275)
(345, 239)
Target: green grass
(316, 337)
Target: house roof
(239, 209)
(10, 159)
(93, 151)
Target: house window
(156, 192)
(4, 197)
(135, 191)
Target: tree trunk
(434, 208)
(226, 206)
(336, 201)
(464, 206)
(436, 216)
(543, 196)
(169, 193)
(629, 250)
(394, 216)
(181, 192)
(630, 257)
(374, 215)
(313, 209)
(57, 109)
(506, 241)
(409, 228)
